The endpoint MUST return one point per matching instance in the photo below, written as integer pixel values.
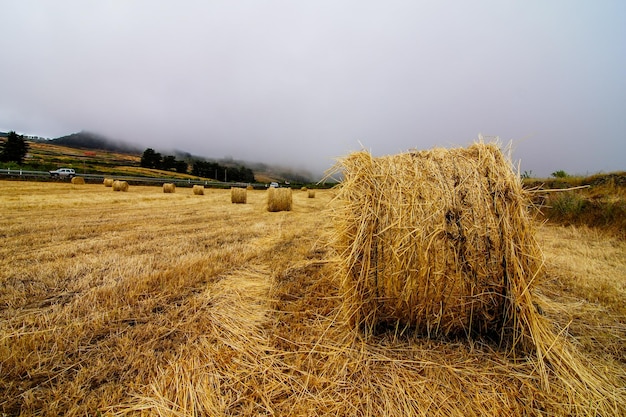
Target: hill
(85, 154)
(88, 140)
(264, 172)
(95, 153)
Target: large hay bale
(311, 193)
(169, 188)
(78, 180)
(120, 186)
(279, 199)
(108, 182)
(438, 242)
(238, 195)
(198, 190)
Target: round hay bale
(198, 190)
(78, 180)
(120, 186)
(438, 242)
(303, 189)
(169, 188)
(108, 182)
(238, 195)
(311, 193)
(249, 187)
(279, 199)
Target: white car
(273, 185)
(63, 173)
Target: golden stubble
(145, 303)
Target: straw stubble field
(145, 303)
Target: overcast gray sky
(302, 82)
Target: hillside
(86, 158)
(266, 173)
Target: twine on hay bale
(169, 188)
(120, 186)
(78, 180)
(238, 195)
(311, 193)
(279, 199)
(198, 190)
(108, 182)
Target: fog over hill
(90, 140)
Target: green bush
(567, 204)
(559, 174)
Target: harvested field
(203, 307)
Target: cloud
(300, 83)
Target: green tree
(15, 148)
(168, 162)
(150, 159)
(181, 167)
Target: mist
(300, 84)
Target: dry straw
(279, 199)
(311, 193)
(198, 190)
(108, 182)
(169, 188)
(238, 195)
(439, 243)
(78, 180)
(120, 185)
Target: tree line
(152, 159)
(219, 172)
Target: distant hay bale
(436, 241)
(78, 180)
(249, 187)
(198, 190)
(108, 182)
(120, 186)
(303, 189)
(169, 188)
(311, 193)
(238, 195)
(279, 199)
